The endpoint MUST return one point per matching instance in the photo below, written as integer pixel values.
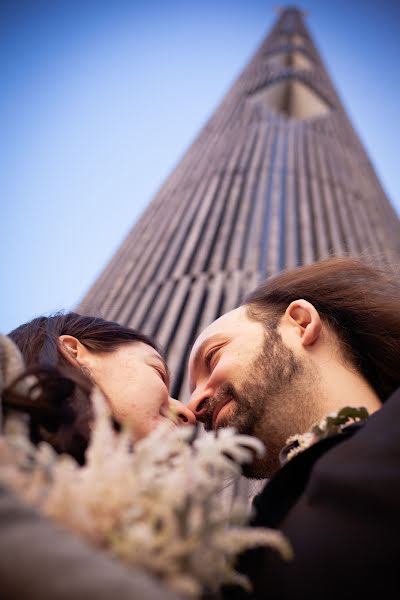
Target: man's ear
(70, 348)
(302, 315)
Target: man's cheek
(222, 372)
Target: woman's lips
(218, 409)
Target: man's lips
(218, 409)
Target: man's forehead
(218, 327)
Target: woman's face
(135, 380)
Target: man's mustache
(225, 393)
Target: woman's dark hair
(359, 302)
(58, 403)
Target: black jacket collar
(283, 490)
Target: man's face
(243, 375)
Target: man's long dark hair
(359, 302)
(58, 402)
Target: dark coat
(338, 503)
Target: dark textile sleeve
(39, 560)
(344, 527)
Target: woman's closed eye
(162, 374)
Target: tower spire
(276, 178)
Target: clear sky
(99, 100)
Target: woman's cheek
(122, 409)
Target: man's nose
(184, 415)
(198, 405)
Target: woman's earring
(86, 371)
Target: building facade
(276, 178)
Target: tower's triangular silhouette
(275, 179)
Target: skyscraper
(276, 178)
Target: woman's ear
(69, 347)
(302, 315)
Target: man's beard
(265, 402)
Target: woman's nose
(184, 415)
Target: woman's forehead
(144, 350)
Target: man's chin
(255, 470)
(234, 419)
(262, 468)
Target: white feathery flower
(158, 507)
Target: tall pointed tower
(275, 179)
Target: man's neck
(344, 386)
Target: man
(304, 344)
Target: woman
(68, 354)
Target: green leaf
(349, 412)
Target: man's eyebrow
(197, 361)
(199, 352)
(198, 355)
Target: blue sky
(99, 100)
